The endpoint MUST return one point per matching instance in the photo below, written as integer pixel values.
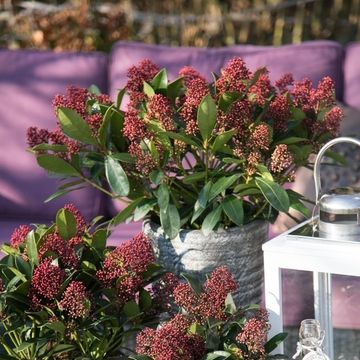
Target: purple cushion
(29, 80)
(352, 75)
(311, 59)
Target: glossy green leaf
(272, 344)
(116, 132)
(145, 300)
(88, 266)
(104, 130)
(211, 220)
(182, 137)
(218, 355)
(163, 196)
(60, 193)
(56, 165)
(157, 176)
(212, 340)
(170, 220)
(194, 282)
(99, 239)
(206, 117)
(234, 210)
(204, 195)
(116, 177)
(74, 126)
(265, 173)
(195, 177)
(57, 326)
(62, 348)
(160, 81)
(230, 304)
(126, 212)
(198, 211)
(297, 204)
(120, 97)
(291, 140)
(221, 185)
(31, 247)
(222, 139)
(131, 309)
(274, 194)
(227, 99)
(66, 224)
(143, 208)
(298, 114)
(125, 157)
(173, 90)
(51, 147)
(148, 90)
(93, 89)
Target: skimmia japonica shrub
(65, 295)
(189, 153)
(210, 326)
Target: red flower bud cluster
(211, 302)
(123, 266)
(196, 90)
(162, 292)
(144, 161)
(145, 71)
(261, 137)
(19, 235)
(281, 158)
(254, 336)
(279, 112)
(54, 243)
(189, 74)
(159, 108)
(76, 98)
(76, 300)
(284, 82)
(233, 76)
(134, 126)
(260, 92)
(36, 136)
(80, 220)
(47, 280)
(171, 341)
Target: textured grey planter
(239, 248)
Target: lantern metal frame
(323, 257)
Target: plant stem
(261, 209)
(103, 190)
(206, 165)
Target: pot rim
(240, 229)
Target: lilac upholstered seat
(29, 80)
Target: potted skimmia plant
(65, 295)
(203, 162)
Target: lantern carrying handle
(321, 153)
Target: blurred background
(96, 25)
